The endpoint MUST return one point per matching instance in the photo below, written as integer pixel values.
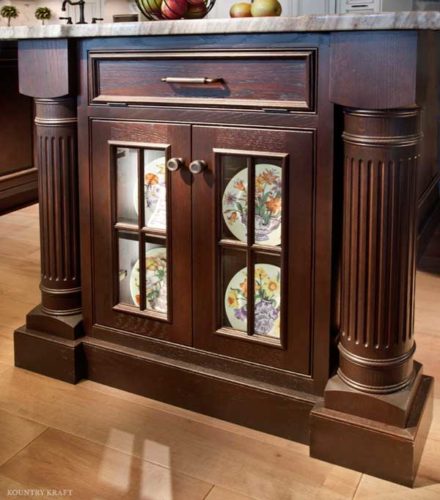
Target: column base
(51, 345)
(386, 451)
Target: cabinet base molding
(275, 410)
(385, 451)
(49, 355)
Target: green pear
(263, 8)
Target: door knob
(197, 166)
(174, 164)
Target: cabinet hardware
(202, 81)
(197, 166)
(174, 164)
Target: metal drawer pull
(202, 81)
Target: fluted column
(50, 342)
(381, 150)
(56, 130)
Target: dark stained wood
(18, 177)
(378, 255)
(374, 70)
(39, 58)
(277, 79)
(182, 361)
(222, 395)
(385, 451)
(177, 138)
(298, 206)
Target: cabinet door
(253, 213)
(142, 229)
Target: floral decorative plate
(268, 207)
(267, 300)
(155, 194)
(156, 267)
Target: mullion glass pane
(155, 186)
(234, 284)
(156, 272)
(127, 184)
(128, 256)
(267, 294)
(234, 202)
(268, 202)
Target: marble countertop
(416, 20)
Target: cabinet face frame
(321, 122)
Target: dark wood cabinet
(18, 177)
(219, 217)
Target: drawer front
(263, 79)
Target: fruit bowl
(174, 9)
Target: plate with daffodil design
(155, 194)
(268, 204)
(156, 276)
(267, 300)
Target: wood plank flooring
(97, 442)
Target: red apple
(196, 11)
(241, 9)
(174, 9)
(196, 2)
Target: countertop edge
(415, 20)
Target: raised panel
(245, 79)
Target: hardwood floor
(102, 443)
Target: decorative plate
(155, 194)
(267, 300)
(156, 267)
(268, 208)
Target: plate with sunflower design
(156, 276)
(155, 194)
(267, 300)
(268, 204)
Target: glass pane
(268, 202)
(155, 189)
(128, 245)
(127, 185)
(156, 269)
(267, 308)
(234, 286)
(234, 174)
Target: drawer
(264, 79)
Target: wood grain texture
(51, 462)
(278, 79)
(378, 256)
(16, 433)
(39, 58)
(208, 449)
(374, 70)
(18, 178)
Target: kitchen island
(229, 222)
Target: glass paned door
(141, 179)
(253, 244)
(142, 216)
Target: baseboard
(218, 394)
(18, 190)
